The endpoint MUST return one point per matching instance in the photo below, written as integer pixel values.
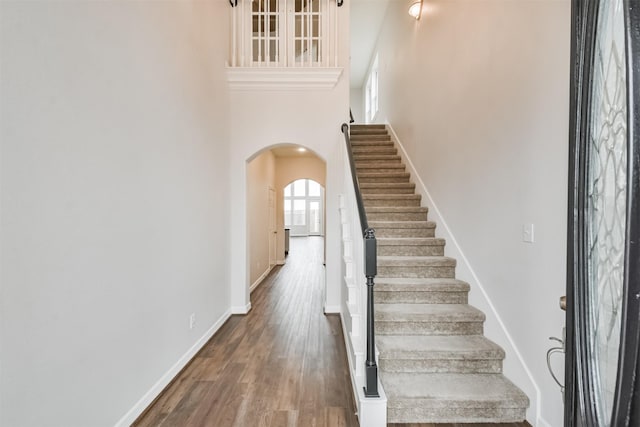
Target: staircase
(435, 364)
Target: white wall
(478, 93)
(311, 118)
(114, 171)
(261, 172)
(356, 101)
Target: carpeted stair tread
(369, 137)
(368, 131)
(402, 224)
(437, 347)
(428, 312)
(416, 261)
(367, 157)
(409, 284)
(453, 398)
(361, 126)
(410, 241)
(396, 209)
(375, 150)
(371, 143)
(387, 185)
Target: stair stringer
(372, 412)
(494, 327)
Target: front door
(603, 286)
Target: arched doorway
(269, 172)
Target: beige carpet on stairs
(435, 364)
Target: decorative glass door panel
(603, 286)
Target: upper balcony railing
(284, 33)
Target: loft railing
(284, 33)
(370, 272)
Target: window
(371, 92)
(303, 207)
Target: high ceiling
(366, 19)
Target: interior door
(272, 227)
(603, 286)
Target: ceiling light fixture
(415, 10)
(302, 149)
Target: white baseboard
(241, 309)
(350, 362)
(332, 309)
(541, 422)
(260, 279)
(454, 250)
(159, 386)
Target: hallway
(283, 364)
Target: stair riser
(397, 216)
(395, 297)
(376, 157)
(375, 150)
(454, 415)
(375, 131)
(386, 327)
(410, 250)
(391, 202)
(383, 190)
(364, 127)
(380, 169)
(365, 137)
(462, 366)
(405, 232)
(371, 143)
(383, 179)
(417, 272)
(362, 164)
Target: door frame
(579, 404)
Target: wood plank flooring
(283, 364)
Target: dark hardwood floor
(283, 364)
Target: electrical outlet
(192, 321)
(528, 233)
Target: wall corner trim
(463, 261)
(332, 309)
(241, 309)
(160, 385)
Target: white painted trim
(352, 370)
(260, 279)
(278, 78)
(160, 385)
(280, 262)
(332, 309)
(464, 262)
(241, 309)
(541, 422)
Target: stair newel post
(371, 269)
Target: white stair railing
(284, 33)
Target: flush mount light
(302, 149)
(415, 10)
